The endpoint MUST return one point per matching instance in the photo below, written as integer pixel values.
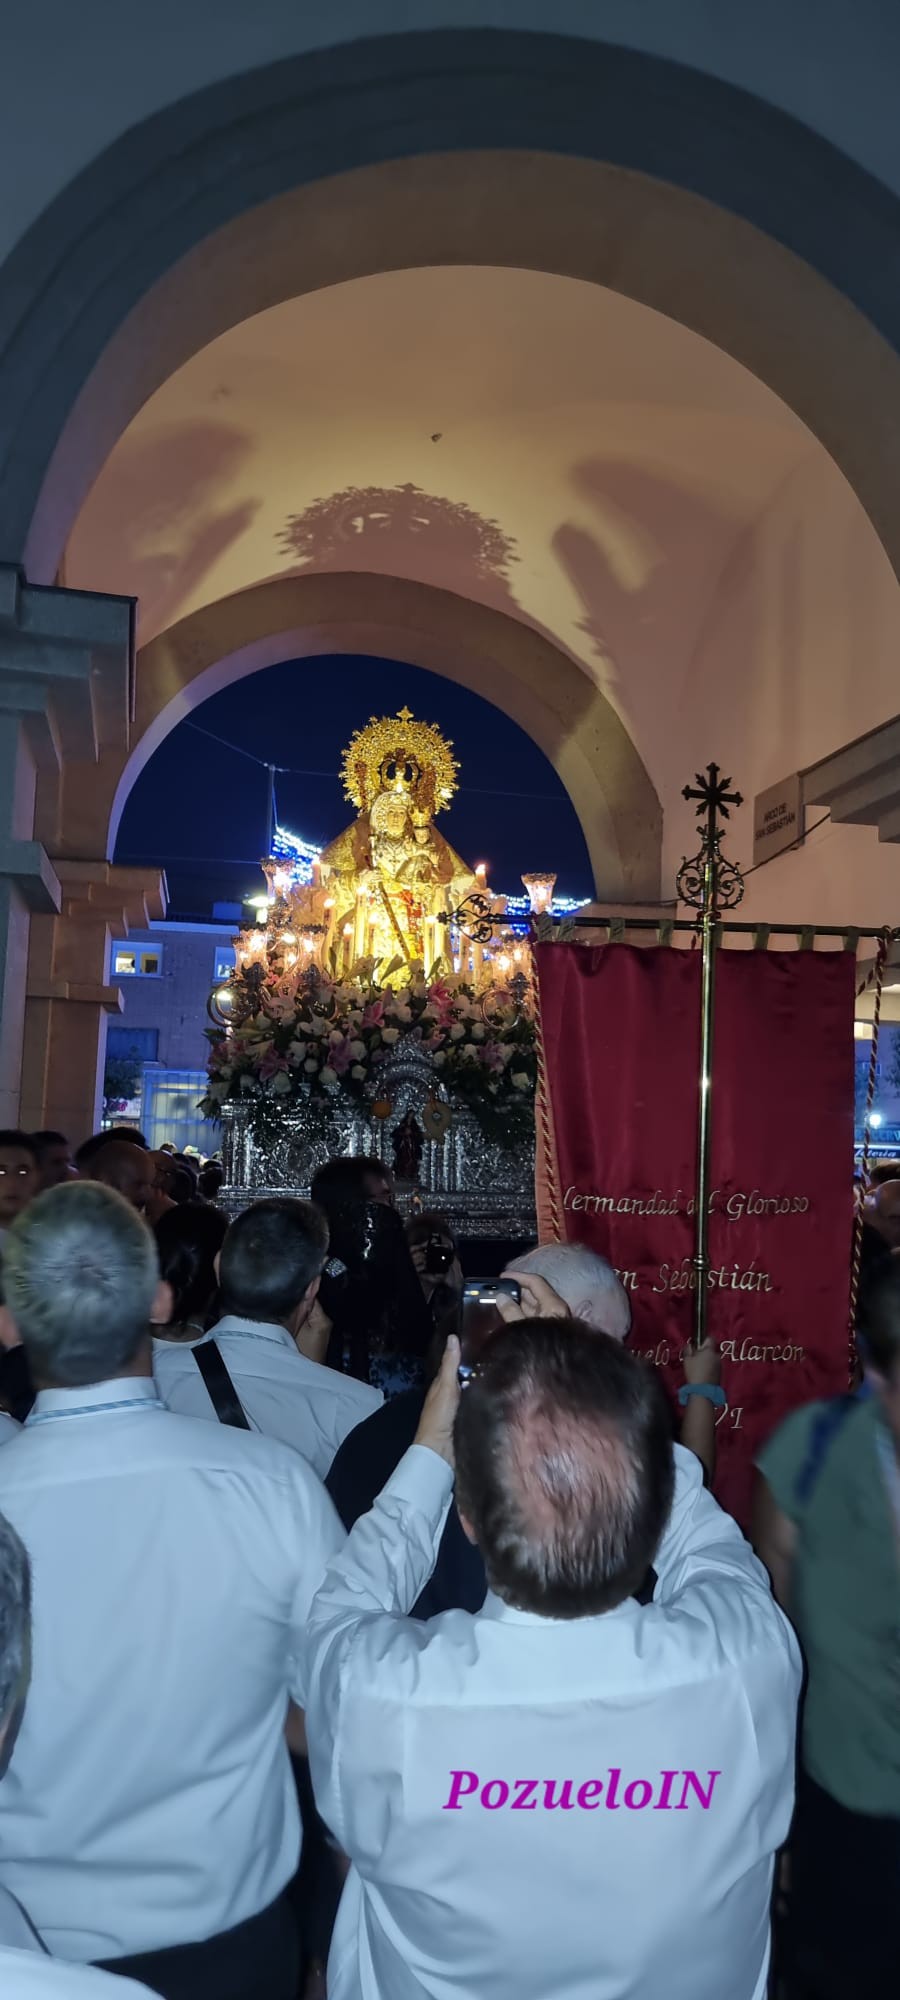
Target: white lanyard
(93, 1409)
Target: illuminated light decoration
(299, 858)
(520, 906)
(876, 1121)
(540, 892)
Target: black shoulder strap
(222, 1392)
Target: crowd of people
(352, 1617)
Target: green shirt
(845, 1605)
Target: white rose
(457, 1032)
(358, 1072)
(357, 1050)
(328, 1074)
(390, 1035)
(469, 1053)
(336, 1035)
(310, 1065)
(478, 1032)
(402, 1013)
(320, 1025)
(281, 1082)
(438, 1058)
(298, 1050)
(519, 1080)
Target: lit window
(137, 961)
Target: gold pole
(704, 1110)
(709, 883)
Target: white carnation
(478, 1032)
(438, 1058)
(357, 1050)
(281, 1082)
(519, 1080)
(359, 1072)
(310, 1065)
(328, 1074)
(457, 1032)
(390, 1035)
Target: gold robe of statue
(409, 874)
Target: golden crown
(395, 754)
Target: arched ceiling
(543, 446)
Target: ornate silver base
(485, 1192)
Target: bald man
(126, 1169)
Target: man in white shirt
(149, 1820)
(270, 1266)
(568, 1794)
(26, 1971)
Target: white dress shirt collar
(122, 1392)
(255, 1329)
(511, 1614)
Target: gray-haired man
(588, 1285)
(174, 1561)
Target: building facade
(156, 1046)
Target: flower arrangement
(300, 1041)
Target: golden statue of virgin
(390, 877)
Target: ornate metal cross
(708, 881)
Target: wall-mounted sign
(777, 821)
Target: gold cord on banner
(543, 1112)
(876, 977)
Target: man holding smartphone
(487, 1776)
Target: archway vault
(497, 656)
(461, 146)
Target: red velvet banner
(621, 1035)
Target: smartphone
(486, 1291)
(438, 1256)
(480, 1317)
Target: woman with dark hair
(189, 1238)
(381, 1325)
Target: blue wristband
(713, 1392)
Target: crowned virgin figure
(391, 877)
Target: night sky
(199, 808)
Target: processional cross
(709, 882)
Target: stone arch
(507, 662)
(597, 162)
